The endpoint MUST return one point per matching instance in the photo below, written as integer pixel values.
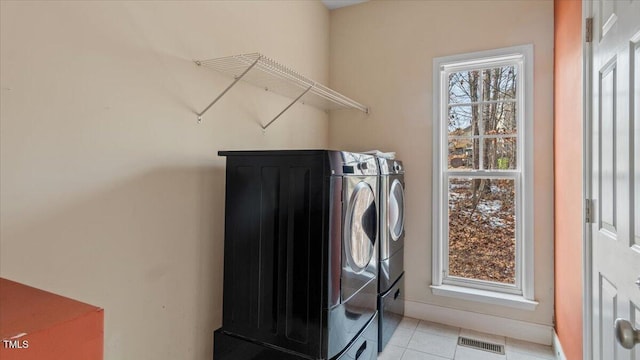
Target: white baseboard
(557, 347)
(517, 329)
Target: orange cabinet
(36, 324)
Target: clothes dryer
(391, 270)
(301, 256)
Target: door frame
(587, 266)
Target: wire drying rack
(270, 75)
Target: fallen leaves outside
(482, 230)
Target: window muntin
(479, 173)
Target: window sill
(489, 297)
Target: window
(483, 203)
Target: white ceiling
(334, 4)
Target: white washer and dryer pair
(391, 268)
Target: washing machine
(391, 269)
(300, 256)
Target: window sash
(447, 279)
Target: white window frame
(521, 294)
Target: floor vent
(481, 345)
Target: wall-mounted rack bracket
(264, 127)
(238, 78)
(265, 73)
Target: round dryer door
(396, 210)
(362, 227)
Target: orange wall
(568, 175)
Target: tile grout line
(455, 350)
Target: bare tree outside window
(482, 136)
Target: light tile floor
(423, 340)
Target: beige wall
(110, 191)
(382, 54)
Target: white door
(615, 173)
